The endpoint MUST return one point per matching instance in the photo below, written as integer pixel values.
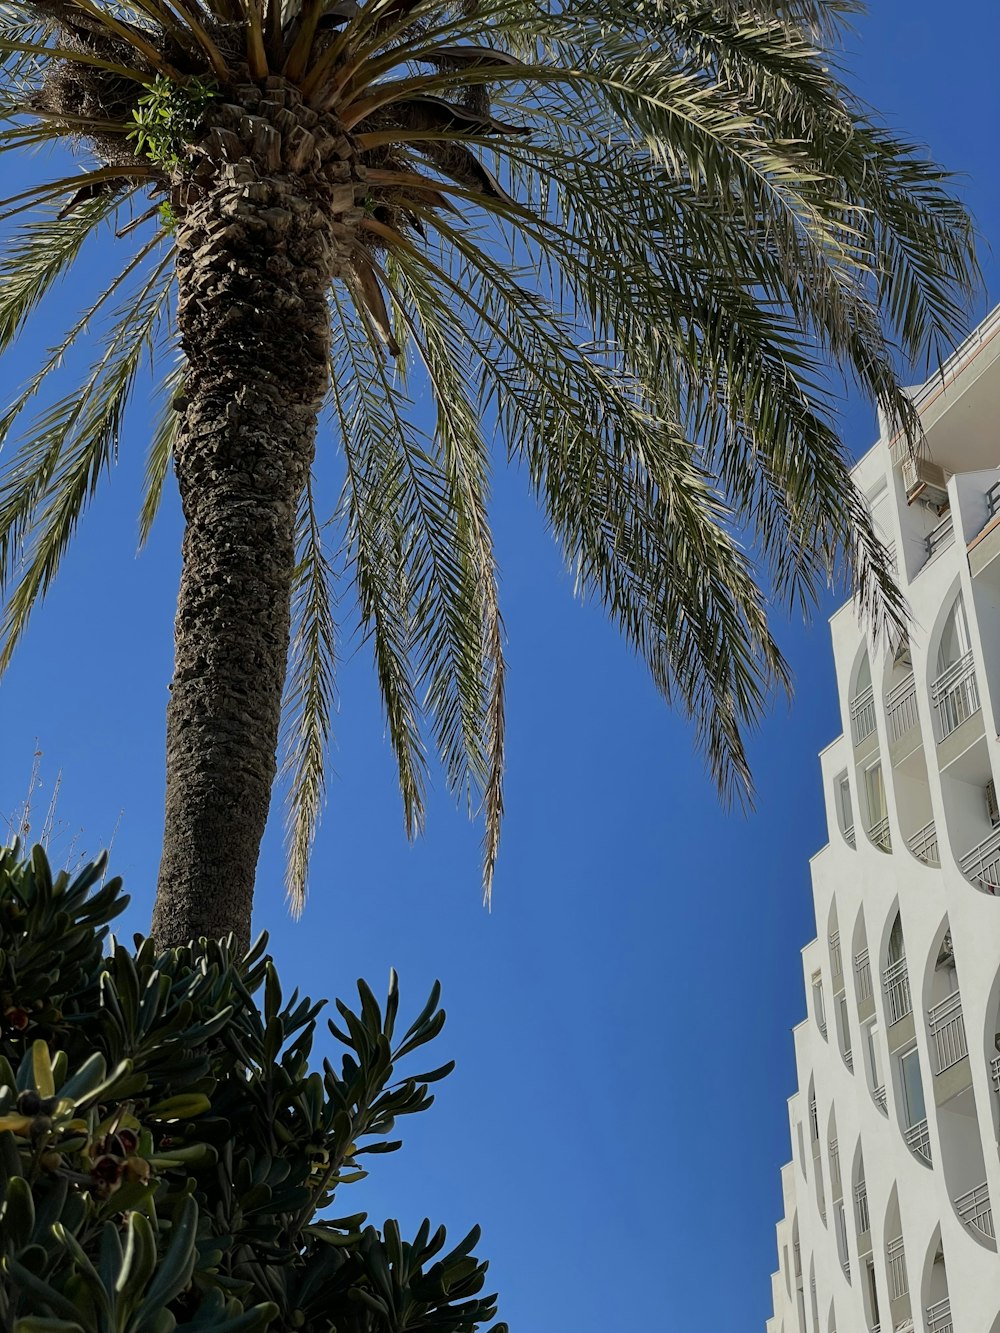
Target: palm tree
(626, 240)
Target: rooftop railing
(896, 984)
(955, 695)
(863, 714)
(924, 845)
(947, 1025)
(982, 864)
(901, 708)
(918, 1140)
(974, 1209)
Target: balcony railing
(918, 1140)
(982, 864)
(879, 1095)
(993, 500)
(955, 695)
(835, 1162)
(995, 1066)
(849, 1059)
(836, 959)
(974, 1210)
(813, 1120)
(947, 1032)
(879, 834)
(849, 837)
(863, 714)
(924, 845)
(863, 974)
(896, 1261)
(901, 707)
(861, 1208)
(940, 536)
(939, 1317)
(896, 984)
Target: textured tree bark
(259, 240)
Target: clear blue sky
(621, 1020)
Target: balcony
(879, 834)
(974, 1210)
(896, 985)
(861, 1208)
(939, 1317)
(918, 1140)
(982, 864)
(955, 695)
(947, 1025)
(896, 1261)
(940, 536)
(836, 958)
(901, 708)
(863, 715)
(863, 974)
(924, 845)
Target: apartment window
(878, 814)
(873, 1059)
(842, 1252)
(845, 809)
(845, 1029)
(872, 1291)
(912, 1087)
(819, 1008)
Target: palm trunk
(257, 251)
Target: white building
(889, 1197)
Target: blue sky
(621, 1019)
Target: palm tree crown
(626, 240)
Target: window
(872, 1292)
(873, 1058)
(845, 1029)
(845, 809)
(912, 1087)
(878, 814)
(819, 1008)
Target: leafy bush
(167, 1156)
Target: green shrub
(168, 1159)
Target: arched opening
(895, 1264)
(800, 1305)
(867, 757)
(971, 812)
(813, 1300)
(838, 989)
(934, 1288)
(837, 1195)
(907, 759)
(859, 1205)
(870, 1039)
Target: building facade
(889, 1197)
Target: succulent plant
(170, 1159)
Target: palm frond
(369, 428)
(161, 451)
(50, 480)
(309, 698)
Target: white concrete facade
(890, 1196)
